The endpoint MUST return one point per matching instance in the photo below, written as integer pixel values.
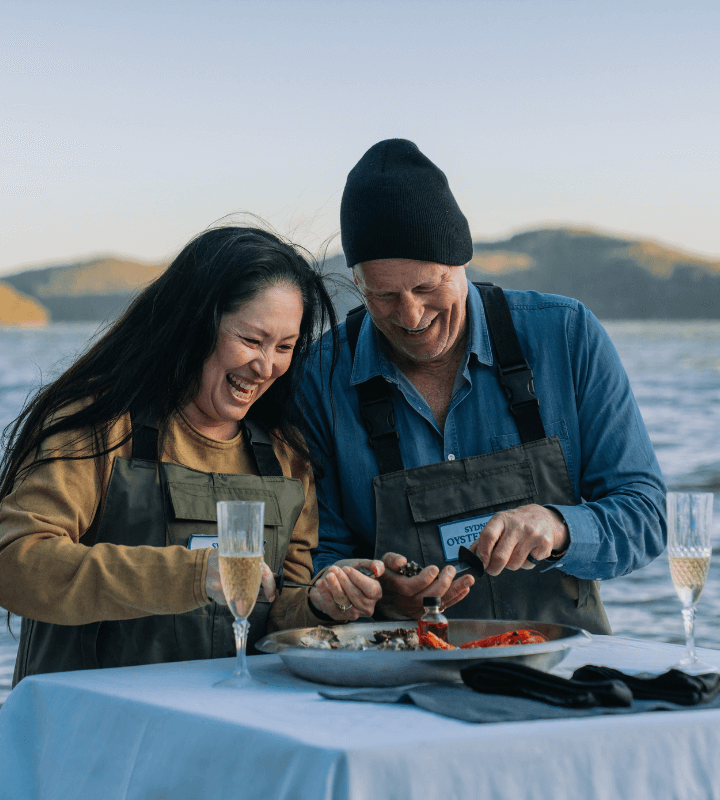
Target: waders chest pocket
(491, 489)
(193, 512)
(194, 502)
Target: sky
(128, 127)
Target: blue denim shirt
(585, 400)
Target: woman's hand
(344, 594)
(213, 586)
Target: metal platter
(397, 668)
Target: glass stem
(688, 614)
(241, 627)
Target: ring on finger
(344, 609)
(532, 560)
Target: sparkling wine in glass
(240, 540)
(689, 550)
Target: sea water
(674, 369)
(29, 357)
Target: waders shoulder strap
(514, 373)
(376, 408)
(145, 443)
(144, 436)
(258, 438)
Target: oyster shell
(320, 639)
(399, 639)
(356, 643)
(410, 570)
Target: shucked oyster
(399, 639)
(320, 639)
(356, 643)
(324, 639)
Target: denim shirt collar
(370, 358)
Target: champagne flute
(240, 539)
(689, 550)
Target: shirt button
(451, 457)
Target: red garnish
(507, 639)
(431, 640)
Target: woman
(113, 472)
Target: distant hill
(17, 309)
(616, 277)
(94, 290)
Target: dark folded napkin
(673, 685)
(518, 680)
(514, 693)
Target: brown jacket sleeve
(48, 574)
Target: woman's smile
(240, 390)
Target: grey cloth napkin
(460, 702)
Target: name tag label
(462, 532)
(199, 541)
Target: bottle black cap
(431, 601)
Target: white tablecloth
(163, 731)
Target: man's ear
(355, 277)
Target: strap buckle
(256, 434)
(379, 420)
(518, 385)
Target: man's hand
(403, 597)
(345, 594)
(213, 587)
(510, 536)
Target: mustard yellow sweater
(48, 574)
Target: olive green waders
(149, 502)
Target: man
(502, 421)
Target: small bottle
(432, 621)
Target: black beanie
(397, 204)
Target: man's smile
(416, 331)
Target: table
(162, 731)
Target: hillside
(17, 309)
(617, 278)
(94, 290)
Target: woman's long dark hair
(151, 358)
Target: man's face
(418, 306)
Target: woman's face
(254, 348)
